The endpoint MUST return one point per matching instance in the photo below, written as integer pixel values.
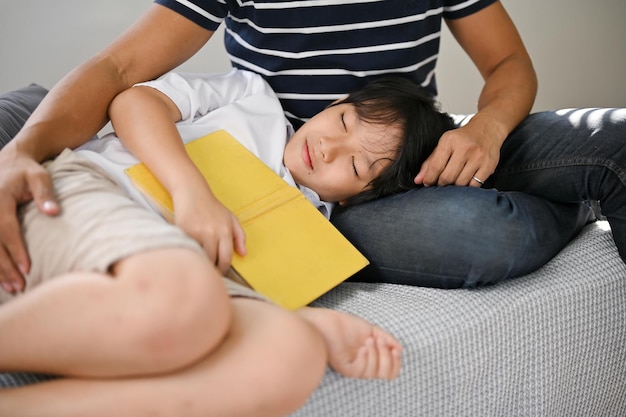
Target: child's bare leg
(356, 348)
(268, 365)
(162, 310)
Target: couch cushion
(15, 107)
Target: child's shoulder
(251, 78)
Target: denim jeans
(551, 167)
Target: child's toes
(397, 361)
(365, 364)
(386, 360)
(352, 365)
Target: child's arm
(144, 120)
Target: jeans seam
(571, 162)
(428, 275)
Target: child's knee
(178, 308)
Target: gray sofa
(551, 343)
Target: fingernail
(49, 205)
(22, 268)
(7, 287)
(16, 287)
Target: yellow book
(294, 253)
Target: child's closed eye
(354, 168)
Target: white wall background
(578, 47)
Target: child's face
(337, 155)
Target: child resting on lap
(134, 312)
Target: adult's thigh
(450, 237)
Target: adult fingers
(472, 175)
(14, 260)
(42, 191)
(22, 181)
(479, 178)
(434, 165)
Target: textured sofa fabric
(552, 343)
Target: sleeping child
(135, 312)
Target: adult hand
(470, 154)
(464, 156)
(212, 225)
(22, 179)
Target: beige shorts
(98, 226)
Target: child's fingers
(239, 237)
(224, 255)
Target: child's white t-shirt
(240, 102)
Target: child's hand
(210, 223)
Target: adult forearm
(507, 96)
(76, 108)
(493, 43)
(73, 111)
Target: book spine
(269, 202)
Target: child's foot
(356, 348)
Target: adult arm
(492, 42)
(74, 110)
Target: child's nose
(331, 147)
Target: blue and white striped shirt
(313, 52)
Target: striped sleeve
(459, 9)
(208, 14)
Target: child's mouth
(306, 156)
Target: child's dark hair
(397, 101)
